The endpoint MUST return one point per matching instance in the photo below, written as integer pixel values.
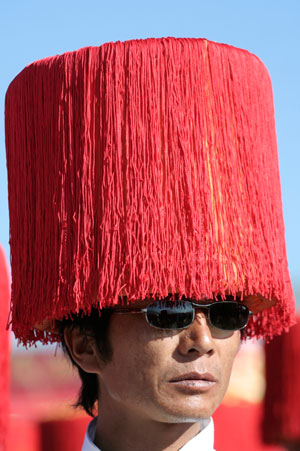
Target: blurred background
(43, 386)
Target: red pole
(281, 421)
(4, 350)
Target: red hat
(144, 168)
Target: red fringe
(4, 351)
(144, 167)
(281, 421)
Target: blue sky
(30, 30)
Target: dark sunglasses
(176, 315)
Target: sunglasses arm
(125, 310)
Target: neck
(127, 432)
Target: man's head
(166, 375)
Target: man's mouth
(194, 381)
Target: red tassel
(144, 167)
(281, 421)
(4, 351)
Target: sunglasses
(175, 315)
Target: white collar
(203, 441)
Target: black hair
(93, 325)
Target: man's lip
(194, 376)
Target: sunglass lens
(229, 315)
(170, 314)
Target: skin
(147, 401)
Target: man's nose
(197, 338)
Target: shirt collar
(204, 440)
(88, 444)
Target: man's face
(167, 376)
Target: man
(145, 218)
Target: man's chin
(191, 414)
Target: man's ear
(83, 350)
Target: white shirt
(204, 441)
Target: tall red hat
(144, 167)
